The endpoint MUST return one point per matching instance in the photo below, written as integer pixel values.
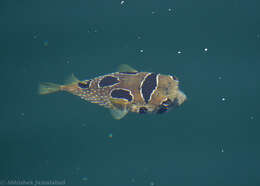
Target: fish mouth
(181, 97)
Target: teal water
(211, 46)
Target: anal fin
(119, 108)
(118, 113)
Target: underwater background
(213, 47)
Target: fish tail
(47, 88)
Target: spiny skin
(148, 91)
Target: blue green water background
(213, 47)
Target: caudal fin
(47, 88)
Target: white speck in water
(222, 150)
(169, 9)
(179, 52)
(46, 43)
(141, 51)
(223, 99)
(152, 183)
(122, 2)
(205, 49)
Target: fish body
(125, 91)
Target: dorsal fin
(126, 68)
(71, 80)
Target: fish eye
(162, 109)
(167, 103)
(143, 110)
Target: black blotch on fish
(128, 72)
(120, 93)
(84, 84)
(175, 78)
(148, 86)
(108, 81)
(143, 110)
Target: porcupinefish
(127, 90)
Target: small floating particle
(219, 77)
(153, 12)
(205, 49)
(141, 51)
(179, 52)
(152, 183)
(169, 9)
(122, 2)
(45, 43)
(223, 99)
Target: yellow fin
(119, 108)
(71, 80)
(118, 113)
(125, 68)
(47, 88)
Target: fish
(126, 90)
